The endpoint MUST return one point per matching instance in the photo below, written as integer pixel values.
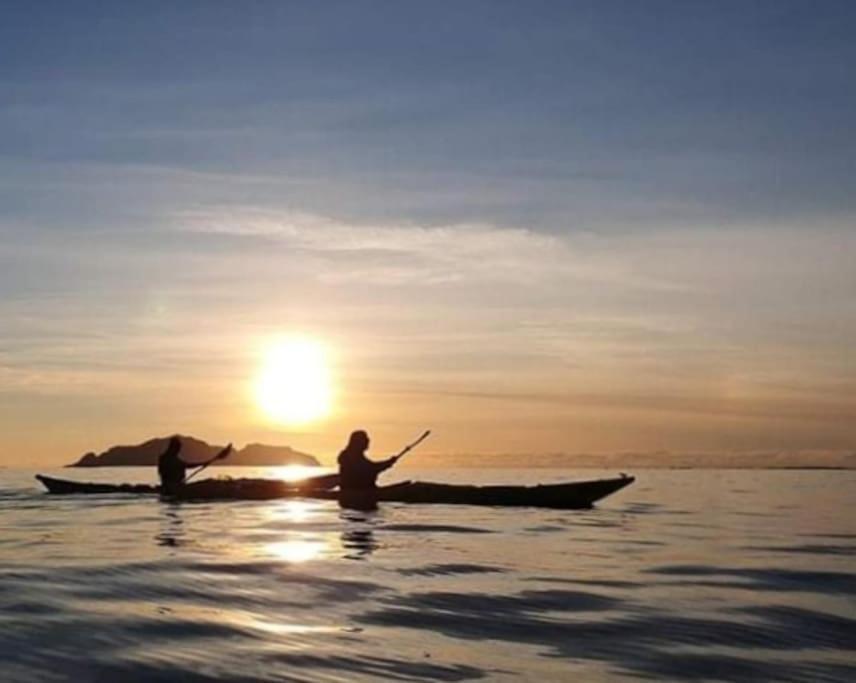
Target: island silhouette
(194, 450)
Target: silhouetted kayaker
(173, 470)
(356, 471)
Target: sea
(687, 575)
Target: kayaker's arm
(383, 465)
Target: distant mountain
(194, 451)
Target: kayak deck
(565, 496)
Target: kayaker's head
(174, 446)
(359, 441)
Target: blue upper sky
(612, 113)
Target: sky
(535, 227)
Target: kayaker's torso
(172, 471)
(357, 472)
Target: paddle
(414, 444)
(220, 456)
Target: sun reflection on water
(295, 510)
(297, 551)
(295, 472)
(282, 628)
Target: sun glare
(294, 385)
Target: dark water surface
(689, 575)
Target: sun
(294, 385)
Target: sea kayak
(567, 496)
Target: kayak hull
(65, 487)
(566, 496)
(243, 489)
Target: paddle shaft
(219, 456)
(414, 444)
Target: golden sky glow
(501, 340)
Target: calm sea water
(690, 575)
